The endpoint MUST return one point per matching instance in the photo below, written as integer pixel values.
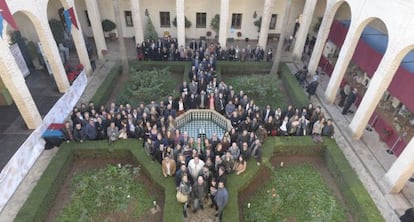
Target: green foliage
(108, 25)
(215, 23)
(150, 32)
(105, 89)
(258, 23)
(146, 86)
(295, 91)
(99, 193)
(187, 22)
(41, 199)
(57, 30)
(264, 89)
(357, 198)
(296, 192)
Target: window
(165, 19)
(236, 20)
(273, 22)
(128, 18)
(201, 20)
(87, 19)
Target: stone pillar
(264, 27)
(16, 84)
(224, 21)
(345, 56)
(323, 34)
(51, 51)
(283, 32)
(136, 18)
(307, 16)
(96, 24)
(80, 45)
(180, 22)
(378, 85)
(121, 40)
(401, 170)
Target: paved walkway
(369, 148)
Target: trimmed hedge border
(104, 91)
(295, 91)
(43, 195)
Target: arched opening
(393, 118)
(42, 87)
(61, 31)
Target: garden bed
(83, 165)
(315, 161)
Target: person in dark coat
(349, 100)
(311, 88)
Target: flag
(67, 20)
(1, 25)
(73, 17)
(5, 12)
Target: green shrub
(296, 192)
(108, 25)
(105, 89)
(150, 32)
(99, 193)
(295, 91)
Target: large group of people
(167, 49)
(199, 165)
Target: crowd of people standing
(199, 167)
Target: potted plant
(108, 26)
(215, 24)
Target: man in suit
(267, 112)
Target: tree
(258, 23)
(215, 23)
(150, 32)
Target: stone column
(307, 16)
(401, 170)
(323, 34)
(180, 22)
(378, 85)
(283, 32)
(51, 51)
(264, 27)
(96, 24)
(80, 45)
(345, 56)
(224, 21)
(16, 84)
(136, 18)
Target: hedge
(42, 197)
(105, 89)
(295, 91)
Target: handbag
(181, 197)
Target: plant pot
(112, 35)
